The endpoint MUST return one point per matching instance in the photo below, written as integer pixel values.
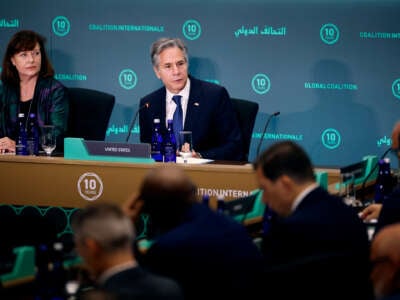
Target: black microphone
(362, 189)
(265, 129)
(147, 104)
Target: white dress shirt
(171, 106)
(303, 194)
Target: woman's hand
(7, 145)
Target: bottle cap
(58, 246)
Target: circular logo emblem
(61, 26)
(260, 84)
(331, 138)
(396, 88)
(127, 79)
(329, 34)
(191, 29)
(90, 186)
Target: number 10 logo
(90, 186)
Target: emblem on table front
(90, 186)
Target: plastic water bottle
(384, 181)
(169, 144)
(21, 146)
(58, 273)
(156, 142)
(42, 277)
(205, 199)
(33, 135)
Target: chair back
(246, 113)
(89, 113)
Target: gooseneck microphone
(134, 120)
(265, 130)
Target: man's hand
(371, 212)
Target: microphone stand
(134, 121)
(264, 131)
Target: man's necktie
(178, 117)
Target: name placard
(78, 148)
(118, 149)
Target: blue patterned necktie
(178, 117)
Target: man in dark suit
(103, 237)
(207, 109)
(209, 254)
(314, 240)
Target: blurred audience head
(283, 171)
(103, 236)
(385, 259)
(167, 192)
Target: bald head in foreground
(168, 182)
(167, 193)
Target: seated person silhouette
(207, 253)
(316, 246)
(104, 237)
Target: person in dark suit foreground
(104, 236)
(385, 258)
(209, 254)
(207, 108)
(316, 245)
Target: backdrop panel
(330, 67)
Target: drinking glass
(348, 189)
(48, 139)
(185, 145)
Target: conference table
(54, 188)
(56, 181)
